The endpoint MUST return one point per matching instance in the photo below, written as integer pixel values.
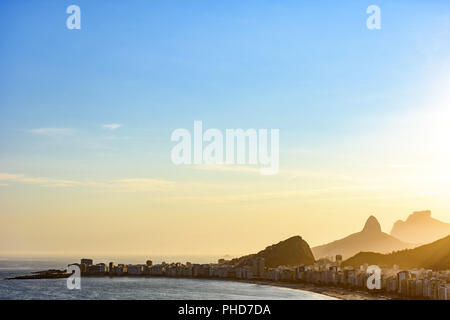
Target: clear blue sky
(312, 69)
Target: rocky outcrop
(291, 252)
(420, 228)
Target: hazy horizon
(160, 256)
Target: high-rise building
(258, 267)
(87, 262)
(402, 276)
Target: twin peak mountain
(295, 250)
(418, 229)
(371, 238)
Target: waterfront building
(402, 276)
(442, 292)
(411, 288)
(434, 288)
(95, 269)
(157, 270)
(258, 267)
(419, 288)
(102, 268)
(426, 288)
(391, 284)
(135, 270)
(121, 270)
(83, 267)
(195, 270)
(238, 271)
(87, 262)
(247, 272)
(408, 283)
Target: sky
(86, 118)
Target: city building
(87, 262)
(258, 267)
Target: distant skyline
(86, 117)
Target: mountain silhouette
(372, 226)
(371, 238)
(291, 252)
(435, 256)
(420, 228)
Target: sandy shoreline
(335, 292)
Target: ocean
(130, 288)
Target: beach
(335, 292)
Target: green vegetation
(434, 256)
(291, 252)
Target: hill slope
(434, 256)
(290, 252)
(371, 238)
(421, 228)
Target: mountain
(435, 256)
(421, 228)
(291, 252)
(371, 238)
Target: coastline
(335, 292)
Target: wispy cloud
(51, 131)
(111, 126)
(289, 174)
(396, 166)
(43, 181)
(132, 185)
(117, 185)
(317, 194)
(227, 168)
(307, 174)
